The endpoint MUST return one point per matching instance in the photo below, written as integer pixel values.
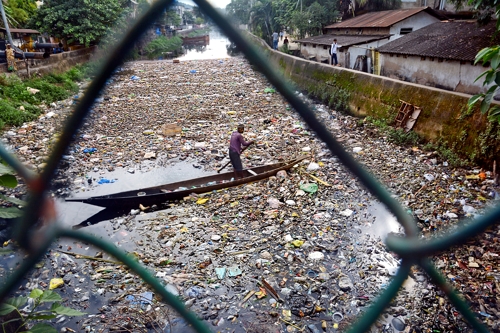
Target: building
(360, 35)
(441, 55)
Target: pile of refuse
(293, 252)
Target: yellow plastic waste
(201, 201)
(56, 283)
(231, 112)
(297, 243)
(234, 203)
(184, 229)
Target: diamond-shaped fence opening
(412, 249)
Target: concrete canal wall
(444, 117)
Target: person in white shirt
(275, 40)
(333, 52)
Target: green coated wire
(420, 248)
(285, 88)
(114, 59)
(364, 323)
(409, 248)
(14, 162)
(170, 299)
(459, 303)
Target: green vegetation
(162, 44)
(284, 48)
(446, 153)
(8, 179)
(18, 12)
(308, 17)
(199, 32)
(80, 20)
(402, 138)
(18, 321)
(20, 99)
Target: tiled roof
(22, 31)
(342, 40)
(456, 40)
(383, 19)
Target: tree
(172, 18)
(321, 15)
(142, 7)
(262, 19)
(188, 17)
(301, 22)
(81, 21)
(20, 11)
(239, 11)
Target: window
(405, 31)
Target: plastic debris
(56, 283)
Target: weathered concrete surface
(57, 63)
(444, 117)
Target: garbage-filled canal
(300, 250)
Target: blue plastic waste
(89, 150)
(105, 181)
(192, 71)
(134, 78)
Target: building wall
(407, 4)
(416, 22)
(346, 58)
(450, 75)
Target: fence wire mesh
(413, 249)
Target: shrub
(162, 44)
(400, 137)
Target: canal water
(218, 47)
(95, 220)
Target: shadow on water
(104, 215)
(80, 215)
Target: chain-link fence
(412, 248)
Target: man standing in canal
(235, 144)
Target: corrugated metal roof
(458, 40)
(21, 31)
(382, 19)
(342, 40)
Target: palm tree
(8, 14)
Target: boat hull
(157, 195)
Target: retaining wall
(58, 63)
(444, 117)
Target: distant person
(235, 144)
(281, 35)
(275, 40)
(285, 42)
(333, 52)
(11, 58)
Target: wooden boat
(160, 194)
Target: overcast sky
(215, 3)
